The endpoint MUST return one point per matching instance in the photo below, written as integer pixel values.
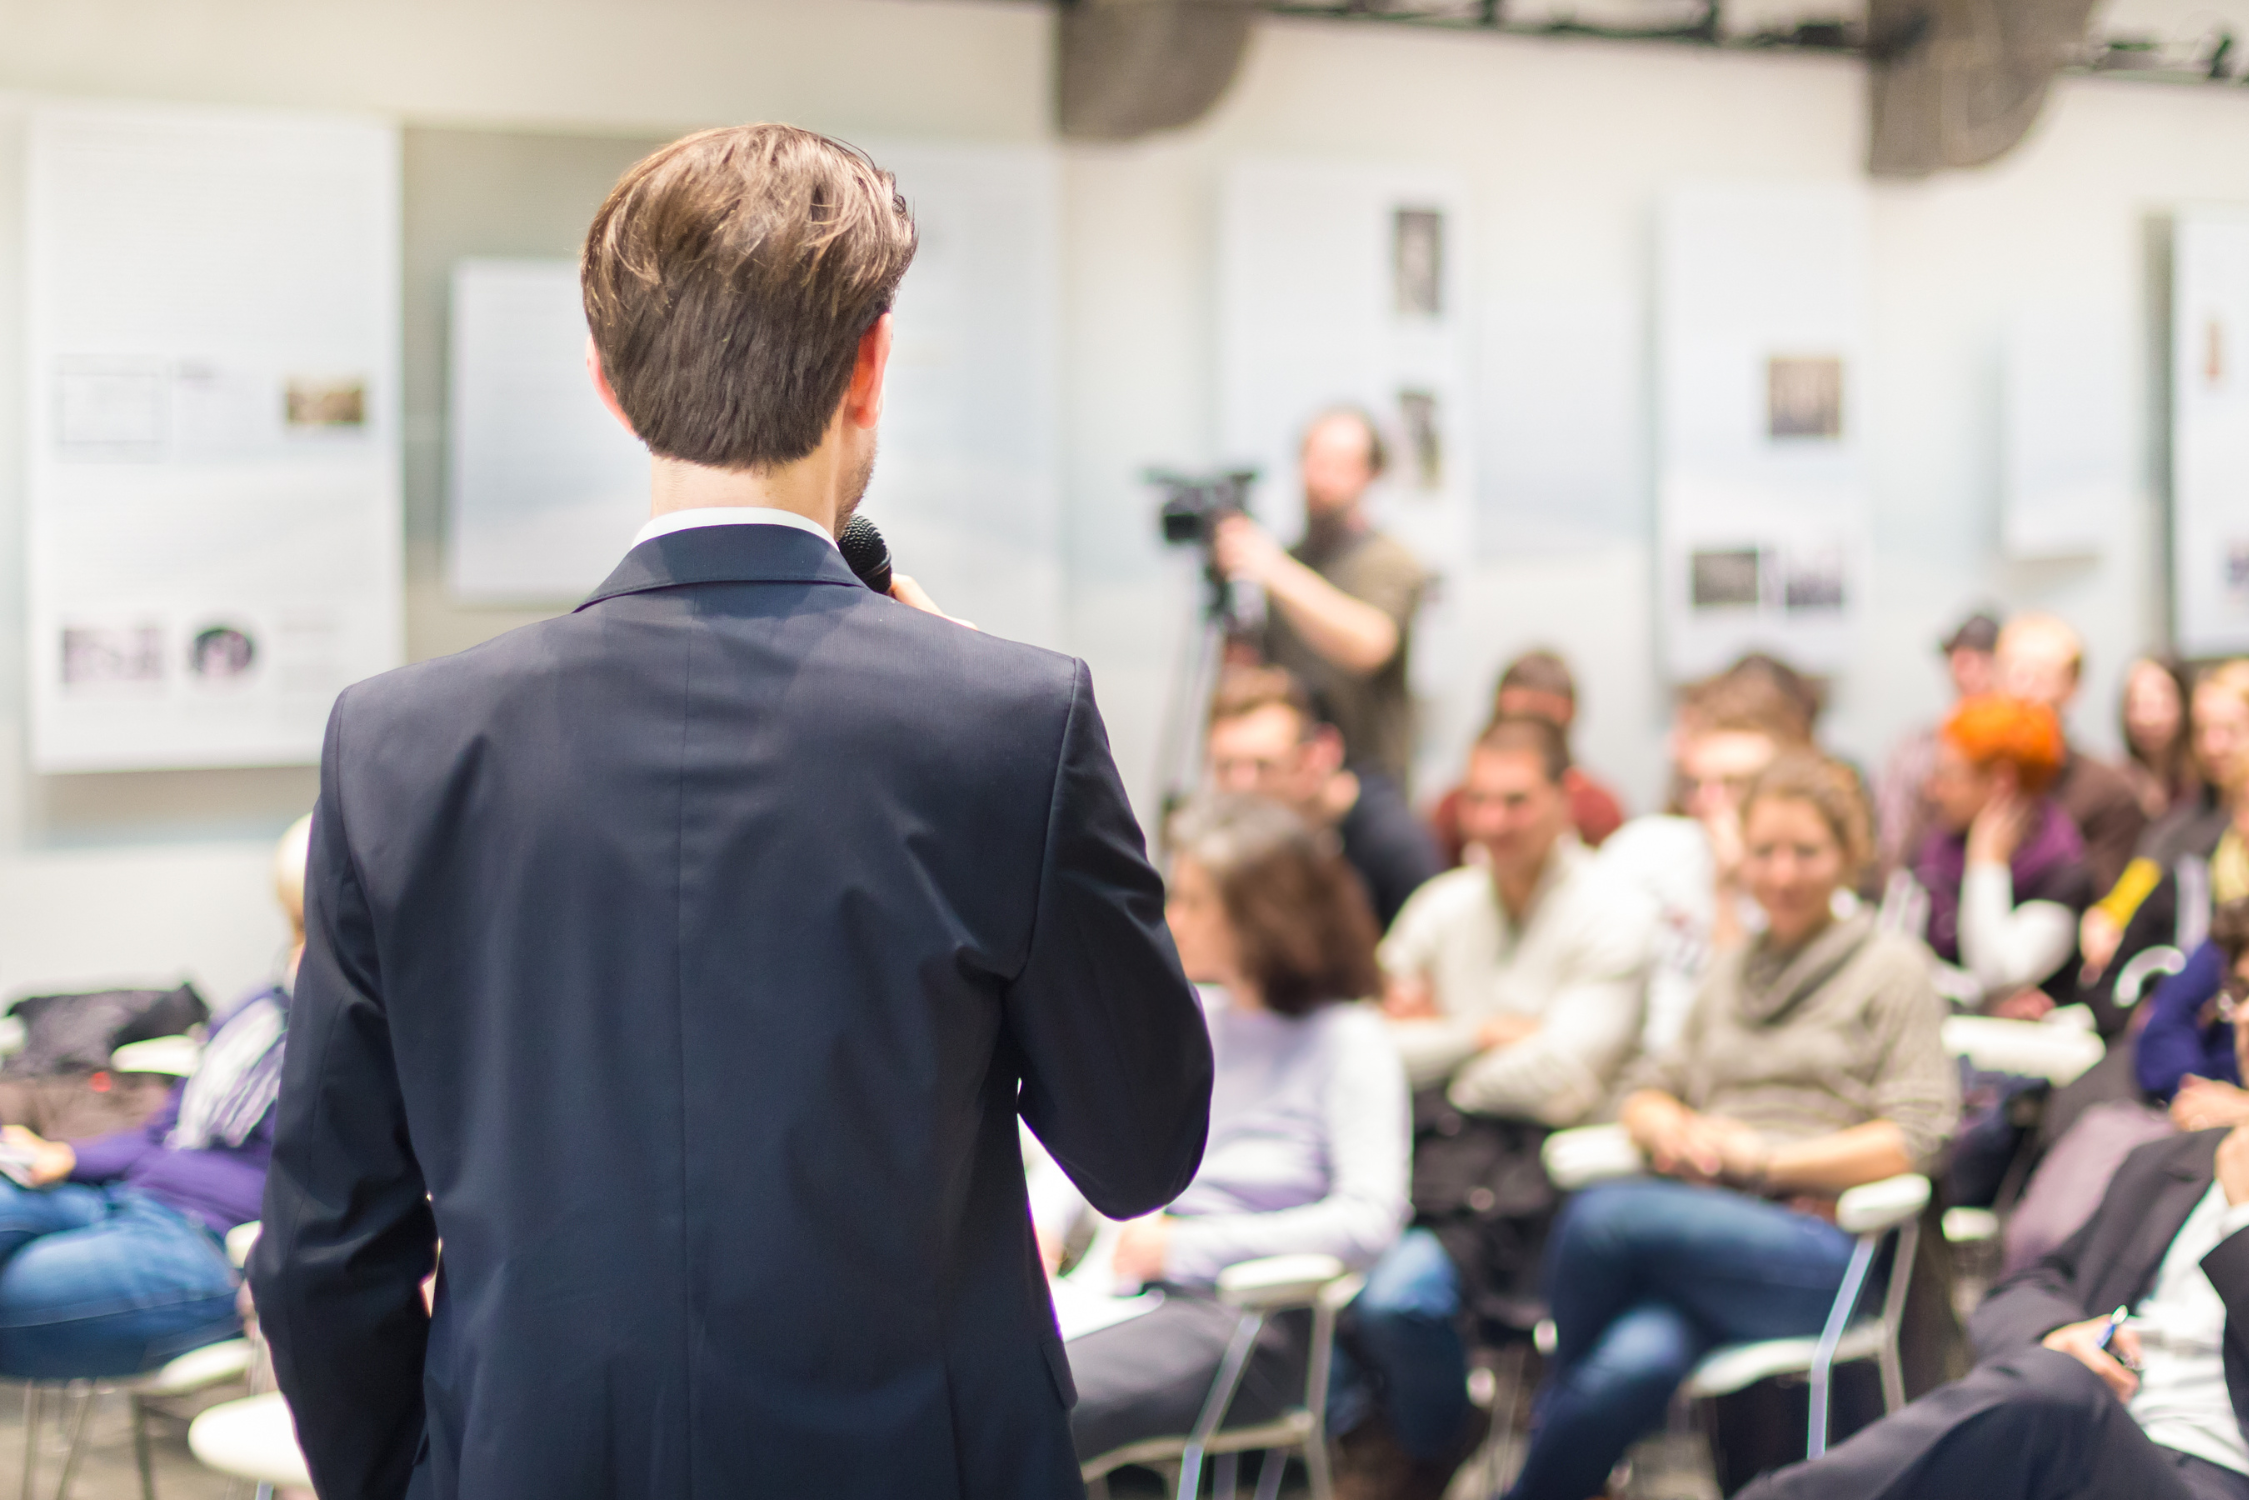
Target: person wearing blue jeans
(1406, 1323)
(1651, 1276)
(1811, 1064)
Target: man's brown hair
(1527, 734)
(1244, 690)
(728, 279)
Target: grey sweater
(1845, 1031)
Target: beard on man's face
(856, 491)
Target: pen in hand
(2108, 1332)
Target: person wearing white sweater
(1308, 1142)
(1514, 987)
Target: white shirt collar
(727, 515)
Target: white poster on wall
(1760, 442)
(1562, 427)
(2210, 430)
(214, 531)
(1346, 283)
(546, 490)
(2067, 470)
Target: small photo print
(1417, 262)
(309, 403)
(1804, 397)
(219, 654)
(99, 657)
(1727, 579)
(1425, 438)
(2237, 574)
(1813, 582)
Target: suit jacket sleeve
(1116, 1056)
(348, 1234)
(2039, 1298)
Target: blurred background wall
(518, 116)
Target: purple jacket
(220, 1187)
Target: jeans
(1644, 1278)
(1404, 1329)
(105, 1281)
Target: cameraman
(1343, 599)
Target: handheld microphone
(864, 549)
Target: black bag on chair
(1479, 1187)
(66, 1034)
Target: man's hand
(1246, 550)
(906, 591)
(2098, 937)
(1409, 997)
(1505, 1031)
(2233, 1164)
(51, 1161)
(2025, 1005)
(2206, 1103)
(1140, 1249)
(2080, 1341)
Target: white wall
(1564, 146)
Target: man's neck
(1517, 887)
(806, 488)
(1325, 530)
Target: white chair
(2059, 1054)
(1259, 1289)
(254, 1438)
(2147, 964)
(174, 1056)
(1871, 1213)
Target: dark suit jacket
(695, 953)
(2111, 1262)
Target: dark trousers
(1148, 1378)
(2031, 1426)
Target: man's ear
(600, 378)
(862, 399)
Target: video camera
(1195, 504)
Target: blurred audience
(1537, 685)
(1308, 1132)
(111, 1261)
(1514, 993)
(2004, 873)
(1812, 1064)
(1902, 814)
(1688, 861)
(1340, 602)
(2158, 741)
(2041, 659)
(1264, 740)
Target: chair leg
(142, 1459)
(1225, 1476)
(1316, 1465)
(1823, 1360)
(32, 1401)
(77, 1441)
(1269, 1474)
(1220, 1399)
(1097, 1488)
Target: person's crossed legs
(2036, 1425)
(1644, 1278)
(1405, 1324)
(104, 1282)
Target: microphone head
(863, 547)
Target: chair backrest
(2032, 1049)
(2143, 966)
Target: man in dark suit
(2160, 1413)
(685, 963)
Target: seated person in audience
(2165, 895)
(2004, 871)
(113, 1261)
(2058, 1406)
(1902, 815)
(1513, 985)
(2041, 659)
(1537, 685)
(1264, 740)
(2158, 741)
(1812, 1064)
(1689, 861)
(1308, 1129)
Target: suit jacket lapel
(726, 554)
(2186, 1176)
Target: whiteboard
(213, 521)
(2210, 430)
(1347, 283)
(546, 491)
(544, 487)
(1762, 484)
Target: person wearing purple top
(113, 1260)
